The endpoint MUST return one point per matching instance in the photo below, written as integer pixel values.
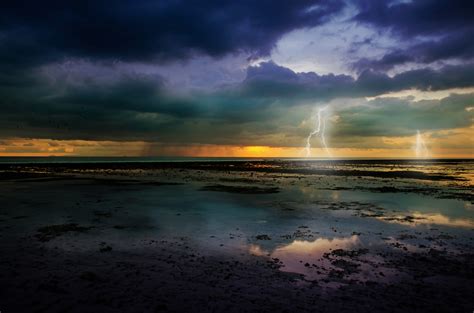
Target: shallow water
(297, 228)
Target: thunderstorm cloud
(186, 72)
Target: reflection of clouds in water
(314, 192)
(306, 251)
(428, 219)
(310, 192)
(257, 250)
(305, 248)
(314, 260)
(469, 206)
(315, 249)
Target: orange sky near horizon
(399, 148)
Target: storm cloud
(44, 31)
(271, 100)
(134, 70)
(430, 30)
(271, 80)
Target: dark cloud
(273, 81)
(129, 107)
(266, 108)
(36, 32)
(458, 46)
(417, 18)
(403, 117)
(128, 94)
(446, 29)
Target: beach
(237, 236)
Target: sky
(237, 78)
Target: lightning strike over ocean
(318, 131)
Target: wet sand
(260, 236)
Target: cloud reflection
(296, 254)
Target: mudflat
(237, 236)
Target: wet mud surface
(228, 237)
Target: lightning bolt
(318, 131)
(420, 148)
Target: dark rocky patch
(104, 247)
(241, 189)
(89, 276)
(159, 183)
(404, 219)
(120, 227)
(240, 180)
(48, 233)
(347, 266)
(406, 236)
(19, 217)
(346, 253)
(103, 214)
